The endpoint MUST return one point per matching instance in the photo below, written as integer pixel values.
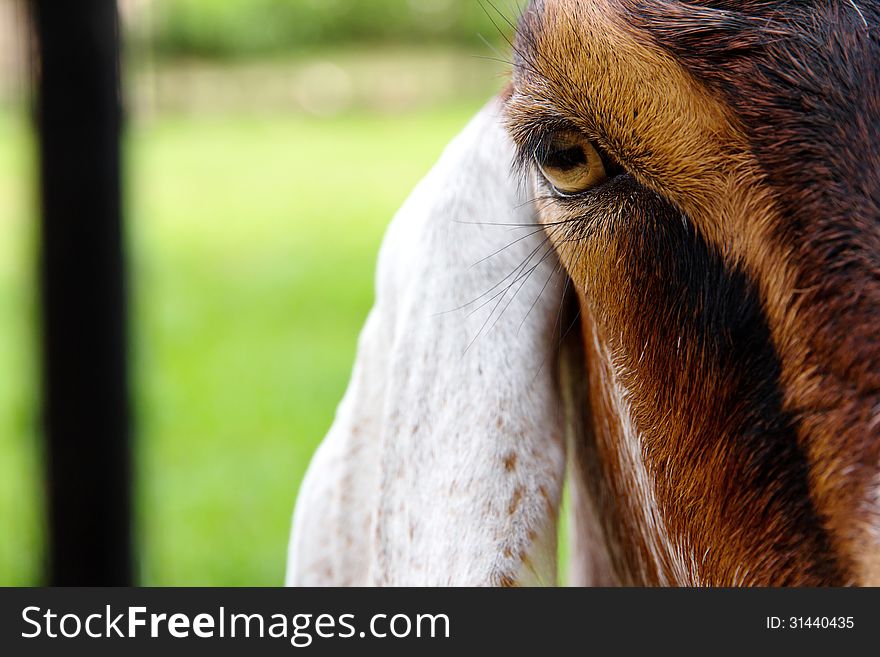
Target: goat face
(709, 174)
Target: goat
(706, 179)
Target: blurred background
(267, 145)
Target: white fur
(673, 558)
(445, 463)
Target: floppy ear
(445, 463)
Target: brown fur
(729, 283)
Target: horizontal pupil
(566, 159)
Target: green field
(20, 530)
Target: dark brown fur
(729, 284)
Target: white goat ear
(445, 463)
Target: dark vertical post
(85, 391)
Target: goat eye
(571, 163)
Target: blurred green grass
(243, 28)
(20, 490)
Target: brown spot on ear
(510, 462)
(506, 581)
(551, 509)
(515, 500)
